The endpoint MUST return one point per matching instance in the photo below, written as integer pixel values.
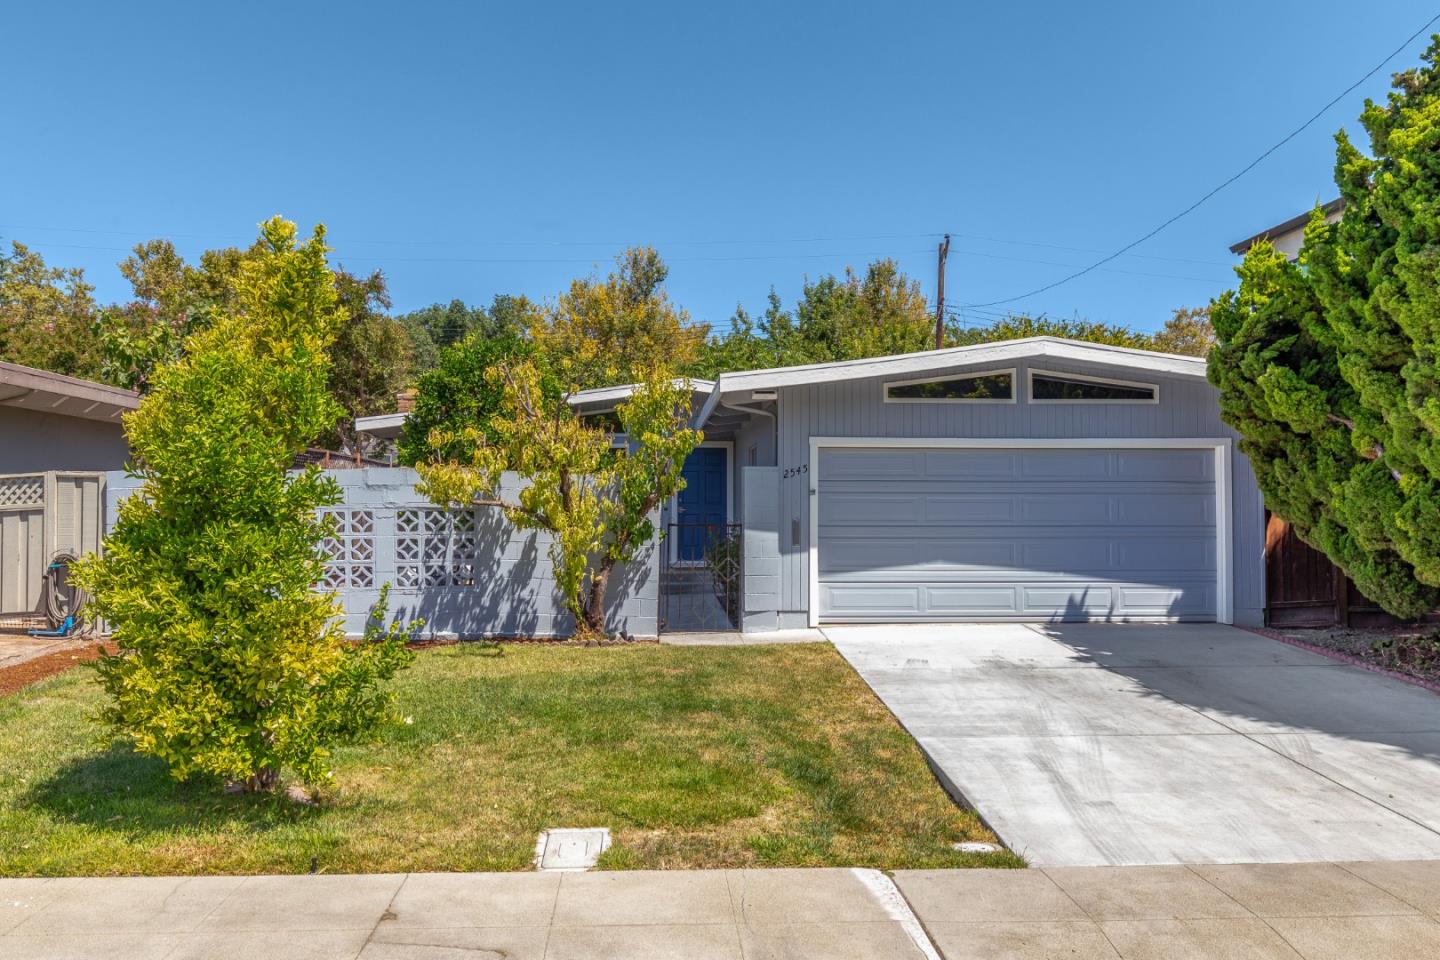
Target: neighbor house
(1034, 479)
(58, 437)
(53, 422)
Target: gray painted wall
(1187, 408)
(32, 441)
(388, 533)
(760, 604)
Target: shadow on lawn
(120, 790)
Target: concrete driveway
(1087, 744)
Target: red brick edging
(1432, 685)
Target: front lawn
(692, 756)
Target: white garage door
(1058, 534)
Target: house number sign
(799, 471)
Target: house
(1288, 237)
(1034, 479)
(58, 437)
(53, 422)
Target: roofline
(387, 426)
(1058, 348)
(29, 388)
(621, 391)
(1294, 223)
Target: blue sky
(469, 149)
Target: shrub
(229, 662)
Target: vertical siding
(1187, 408)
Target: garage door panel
(974, 601)
(1074, 508)
(1073, 534)
(1074, 556)
(943, 508)
(860, 508)
(948, 465)
(1195, 507)
(1062, 602)
(905, 555)
(873, 601)
(1166, 554)
(1185, 465)
(1069, 465)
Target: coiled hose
(62, 600)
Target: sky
(470, 149)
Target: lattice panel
(434, 548)
(350, 552)
(22, 492)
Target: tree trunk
(263, 780)
(594, 620)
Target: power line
(1246, 169)
(502, 242)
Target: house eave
(27, 388)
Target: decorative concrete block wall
(468, 574)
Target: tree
(1188, 332)
(611, 331)
(458, 391)
(371, 359)
(1327, 367)
(230, 662)
(173, 300)
(1018, 326)
(593, 499)
(739, 348)
(47, 316)
(852, 317)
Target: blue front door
(700, 507)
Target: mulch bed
(23, 674)
(1405, 653)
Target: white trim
(1063, 375)
(729, 446)
(1169, 364)
(1224, 498)
(968, 375)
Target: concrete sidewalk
(1374, 911)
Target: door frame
(729, 446)
(1224, 601)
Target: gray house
(1035, 479)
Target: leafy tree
(852, 317)
(371, 359)
(458, 391)
(1188, 332)
(605, 332)
(595, 501)
(1327, 367)
(172, 301)
(1019, 326)
(47, 316)
(739, 348)
(230, 662)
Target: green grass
(693, 757)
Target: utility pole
(940, 294)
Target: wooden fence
(42, 514)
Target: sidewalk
(1314, 911)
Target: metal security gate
(700, 594)
(1020, 532)
(42, 514)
